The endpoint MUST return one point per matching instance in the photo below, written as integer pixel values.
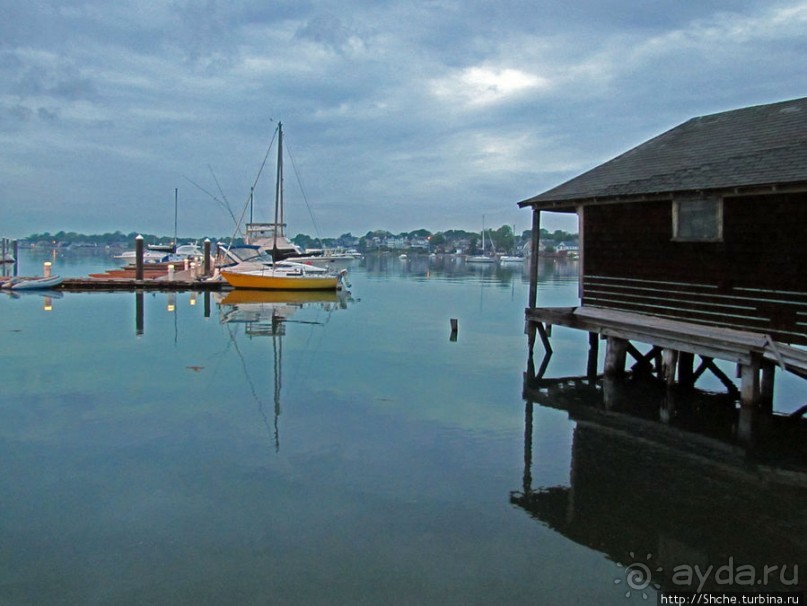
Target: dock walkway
(750, 350)
(153, 279)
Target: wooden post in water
(766, 386)
(749, 382)
(139, 257)
(453, 322)
(207, 257)
(535, 246)
(15, 252)
(593, 353)
(615, 354)
(669, 362)
(533, 294)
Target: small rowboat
(33, 283)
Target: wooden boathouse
(694, 243)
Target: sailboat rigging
(287, 269)
(482, 258)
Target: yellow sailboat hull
(270, 281)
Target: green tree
(503, 238)
(437, 239)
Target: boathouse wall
(752, 278)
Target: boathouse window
(698, 220)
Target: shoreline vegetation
(503, 239)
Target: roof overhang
(542, 202)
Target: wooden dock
(156, 276)
(131, 284)
(674, 345)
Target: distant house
(395, 243)
(705, 223)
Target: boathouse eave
(571, 205)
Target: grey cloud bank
(398, 115)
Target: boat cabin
(702, 227)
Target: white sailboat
(483, 258)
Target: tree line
(503, 238)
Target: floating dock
(130, 284)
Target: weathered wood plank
(709, 341)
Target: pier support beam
(615, 355)
(766, 386)
(593, 354)
(535, 246)
(644, 362)
(749, 383)
(669, 363)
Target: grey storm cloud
(400, 115)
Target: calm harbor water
(183, 448)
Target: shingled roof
(764, 145)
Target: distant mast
(176, 212)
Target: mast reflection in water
(265, 313)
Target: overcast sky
(398, 115)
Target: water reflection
(47, 296)
(674, 491)
(424, 266)
(265, 314)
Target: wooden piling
(206, 270)
(615, 355)
(535, 246)
(139, 257)
(669, 364)
(749, 382)
(454, 327)
(766, 386)
(593, 354)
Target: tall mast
(279, 184)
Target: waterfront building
(693, 242)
